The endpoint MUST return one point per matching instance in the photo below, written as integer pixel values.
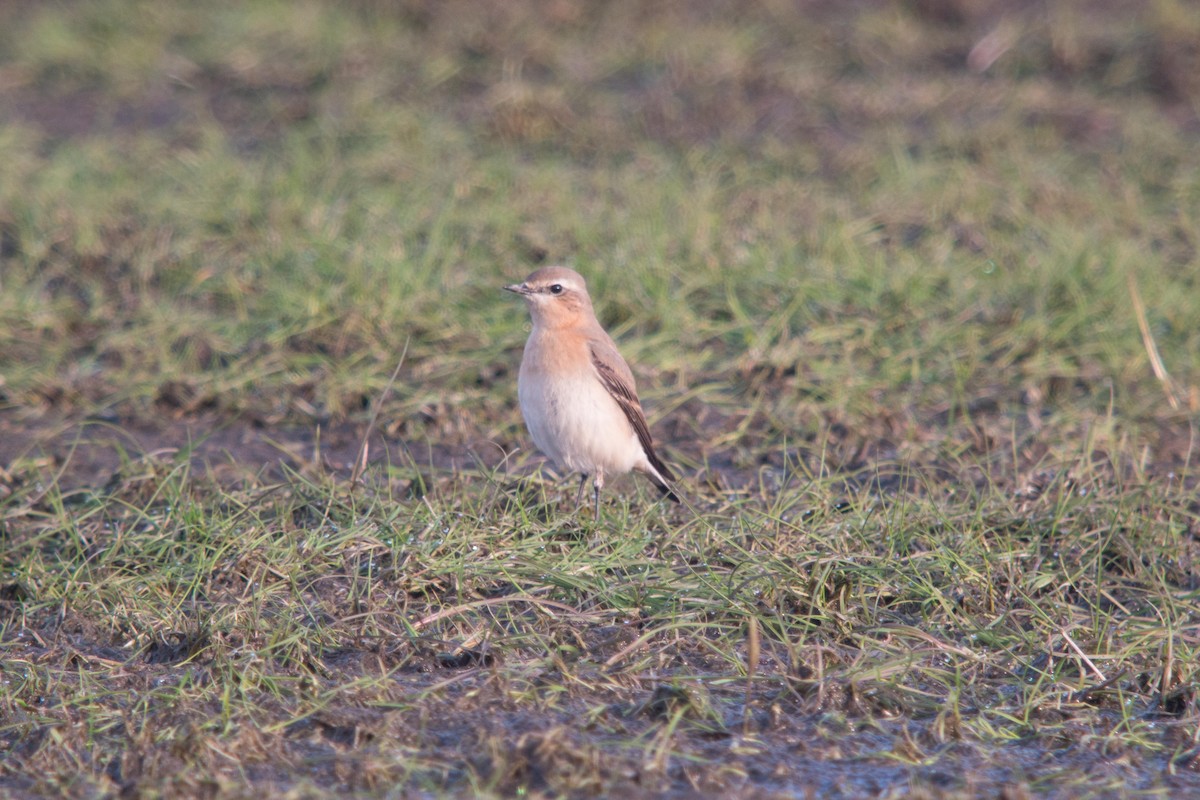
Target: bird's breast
(570, 414)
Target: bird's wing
(618, 380)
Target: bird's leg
(579, 494)
(598, 484)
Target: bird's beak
(517, 288)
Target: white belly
(576, 423)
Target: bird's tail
(661, 477)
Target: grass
(894, 278)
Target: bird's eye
(556, 288)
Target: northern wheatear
(577, 393)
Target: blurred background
(797, 215)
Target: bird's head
(557, 297)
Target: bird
(577, 394)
